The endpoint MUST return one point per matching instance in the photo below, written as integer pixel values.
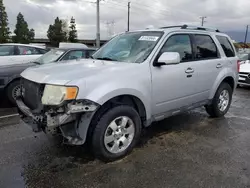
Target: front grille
(244, 73)
(32, 94)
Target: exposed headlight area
(55, 95)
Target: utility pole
(245, 41)
(128, 14)
(98, 23)
(203, 20)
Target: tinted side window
(180, 43)
(226, 46)
(90, 53)
(26, 50)
(74, 55)
(205, 47)
(42, 51)
(7, 50)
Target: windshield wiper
(106, 58)
(36, 62)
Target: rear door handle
(219, 66)
(189, 70)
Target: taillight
(238, 65)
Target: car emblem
(248, 76)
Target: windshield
(50, 56)
(132, 47)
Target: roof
(19, 44)
(70, 48)
(185, 28)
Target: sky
(230, 16)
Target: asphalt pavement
(188, 150)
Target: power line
(132, 8)
(148, 6)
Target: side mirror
(168, 58)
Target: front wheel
(116, 133)
(221, 101)
(13, 90)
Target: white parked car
(244, 74)
(13, 53)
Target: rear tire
(221, 101)
(116, 133)
(13, 89)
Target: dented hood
(64, 72)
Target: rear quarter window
(226, 46)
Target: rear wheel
(221, 101)
(13, 90)
(116, 133)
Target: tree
(22, 32)
(4, 30)
(55, 33)
(73, 31)
(31, 34)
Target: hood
(245, 67)
(62, 73)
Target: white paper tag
(149, 38)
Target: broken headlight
(55, 95)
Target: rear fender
(222, 75)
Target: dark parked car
(10, 74)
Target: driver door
(174, 86)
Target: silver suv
(135, 79)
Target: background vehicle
(244, 74)
(133, 80)
(10, 74)
(13, 53)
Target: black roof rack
(191, 27)
(173, 26)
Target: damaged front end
(71, 118)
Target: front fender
(105, 93)
(222, 75)
(13, 77)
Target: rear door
(208, 63)
(230, 57)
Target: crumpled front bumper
(27, 116)
(72, 120)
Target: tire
(213, 109)
(101, 149)
(11, 91)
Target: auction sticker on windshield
(149, 38)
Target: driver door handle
(189, 70)
(218, 65)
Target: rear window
(6, 50)
(205, 47)
(226, 46)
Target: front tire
(116, 133)
(13, 90)
(221, 101)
